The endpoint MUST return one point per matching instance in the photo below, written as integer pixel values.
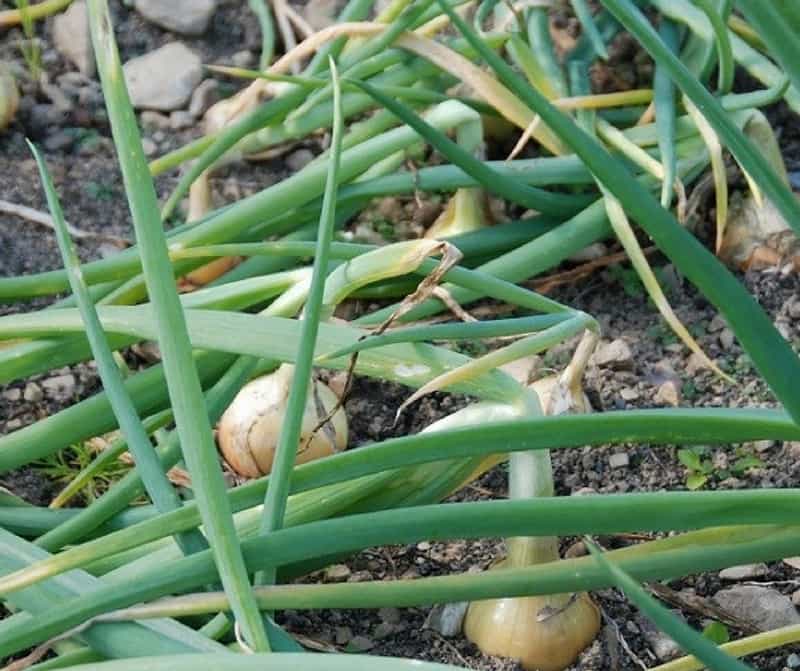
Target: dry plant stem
(38, 217)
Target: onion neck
(531, 475)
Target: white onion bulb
(248, 431)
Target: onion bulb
(544, 633)
(248, 431)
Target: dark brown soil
(80, 156)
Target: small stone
(744, 572)
(13, 424)
(766, 608)
(794, 562)
(384, 630)
(695, 363)
(60, 387)
(585, 491)
(447, 618)
(59, 141)
(149, 147)
(243, 59)
(616, 354)
(71, 37)
(763, 445)
(793, 660)
(390, 615)
(180, 120)
(321, 13)
(726, 338)
(668, 393)
(796, 597)
(793, 307)
(717, 324)
(662, 645)
(299, 159)
(629, 394)
(360, 644)
(424, 546)
(13, 394)
(360, 576)
(151, 119)
(163, 79)
(337, 573)
(342, 635)
(33, 393)
(187, 17)
(618, 460)
(204, 97)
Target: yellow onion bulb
(543, 633)
(248, 431)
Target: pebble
(794, 562)
(33, 393)
(618, 460)
(163, 79)
(13, 394)
(150, 149)
(717, 324)
(152, 119)
(695, 363)
(668, 393)
(793, 660)
(337, 573)
(662, 645)
(299, 159)
(180, 120)
(360, 644)
(360, 576)
(203, 97)
(726, 338)
(390, 615)
(796, 597)
(447, 618)
(186, 17)
(71, 37)
(629, 394)
(60, 387)
(384, 630)
(616, 354)
(793, 307)
(243, 59)
(744, 572)
(766, 608)
(321, 13)
(342, 635)
(59, 141)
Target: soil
(80, 155)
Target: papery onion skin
(248, 431)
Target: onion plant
(200, 580)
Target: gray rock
(186, 17)
(764, 607)
(71, 37)
(618, 460)
(151, 119)
(793, 660)
(180, 120)
(204, 96)
(616, 354)
(360, 644)
(668, 393)
(12, 394)
(337, 573)
(165, 78)
(243, 59)
(726, 338)
(299, 159)
(793, 307)
(33, 393)
(744, 572)
(389, 614)
(662, 645)
(60, 387)
(321, 13)
(447, 618)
